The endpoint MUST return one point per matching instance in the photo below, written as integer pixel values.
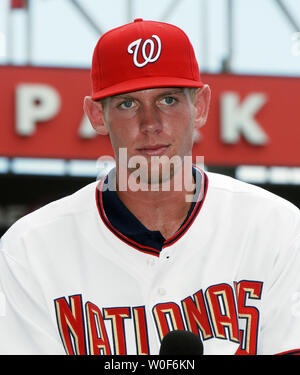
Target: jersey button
(162, 291)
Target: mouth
(153, 150)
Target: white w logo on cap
(147, 58)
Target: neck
(162, 206)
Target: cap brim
(145, 83)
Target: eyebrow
(178, 90)
(122, 96)
(130, 95)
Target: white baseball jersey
(83, 276)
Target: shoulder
(221, 184)
(52, 214)
(236, 197)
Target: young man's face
(151, 123)
(155, 127)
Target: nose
(150, 121)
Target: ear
(95, 113)
(201, 103)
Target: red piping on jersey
(290, 352)
(192, 217)
(170, 241)
(121, 236)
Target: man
(158, 244)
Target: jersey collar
(123, 224)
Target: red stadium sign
(252, 120)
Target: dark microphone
(181, 343)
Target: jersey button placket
(163, 259)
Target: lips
(158, 149)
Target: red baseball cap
(142, 55)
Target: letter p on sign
(35, 103)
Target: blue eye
(169, 100)
(127, 104)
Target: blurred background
(248, 52)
